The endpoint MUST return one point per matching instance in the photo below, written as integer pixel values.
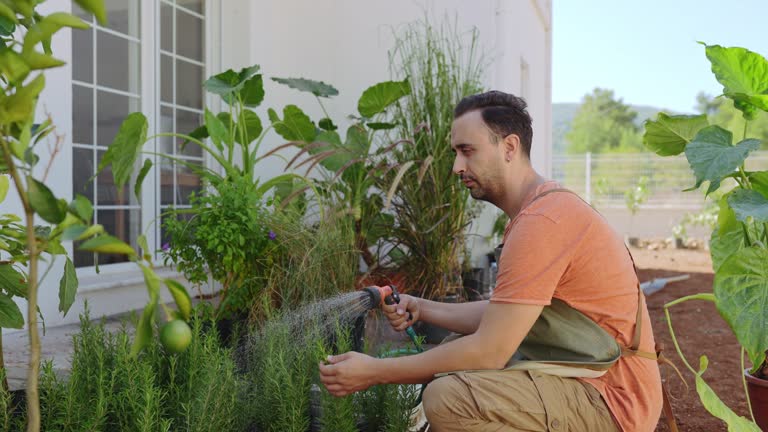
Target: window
(107, 82)
(182, 70)
(106, 86)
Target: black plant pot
(475, 285)
(233, 329)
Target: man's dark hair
(503, 113)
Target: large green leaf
(20, 106)
(741, 289)
(82, 207)
(668, 135)
(251, 93)
(340, 156)
(8, 20)
(67, 287)
(357, 140)
(125, 149)
(144, 328)
(743, 74)
(140, 178)
(327, 124)
(317, 88)
(758, 179)
(13, 66)
(728, 237)
(250, 124)
(36, 60)
(10, 315)
(44, 202)
(96, 7)
(716, 407)
(152, 280)
(749, 203)
(229, 82)
(5, 184)
(181, 297)
(107, 244)
(295, 125)
(378, 97)
(215, 128)
(712, 156)
(12, 282)
(42, 30)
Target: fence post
(588, 177)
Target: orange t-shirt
(559, 247)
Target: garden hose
(388, 295)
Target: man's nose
(458, 165)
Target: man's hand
(398, 313)
(349, 373)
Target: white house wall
(344, 43)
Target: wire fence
(603, 179)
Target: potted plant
(739, 243)
(349, 170)
(432, 209)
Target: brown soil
(700, 331)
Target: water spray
(379, 295)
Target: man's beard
(478, 192)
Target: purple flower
(272, 235)
(166, 247)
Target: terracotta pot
(758, 396)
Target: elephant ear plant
(23, 243)
(739, 243)
(224, 233)
(355, 166)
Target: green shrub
(308, 263)
(227, 236)
(108, 389)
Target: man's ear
(512, 146)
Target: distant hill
(563, 114)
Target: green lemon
(175, 336)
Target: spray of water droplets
(307, 321)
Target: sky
(646, 51)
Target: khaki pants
(487, 401)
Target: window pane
(79, 12)
(189, 84)
(166, 183)
(123, 224)
(82, 115)
(82, 171)
(186, 182)
(106, 191)
(166, 78)
(83, 258)
(82, 55)
(111, 111)
(165, 144)
(123, 16)
(189, 35)
(166, 27)
(195, 5)
(118, 62)
(186, 122)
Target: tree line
(605, 124)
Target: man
(556, 246)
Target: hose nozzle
(382, 295)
